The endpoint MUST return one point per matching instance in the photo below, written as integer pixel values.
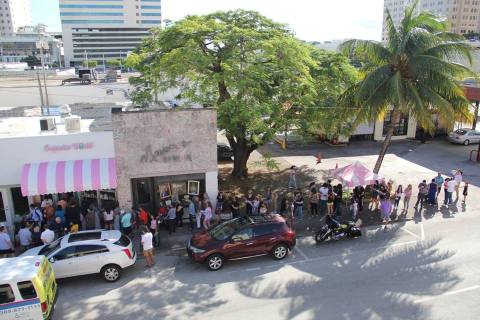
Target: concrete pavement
(423, 269)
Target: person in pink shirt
(406, 198)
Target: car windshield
(460, 132)
(49, 248)
(226, 229)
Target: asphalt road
(424, 269)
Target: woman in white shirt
(207, 214)
(147, 245)
(108, 218)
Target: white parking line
(410, 232)
(448, 293)
(304, 256)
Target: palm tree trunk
(395, 117)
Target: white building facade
(105, 29)
(464, 15)
(14, 14)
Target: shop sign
(68, 147)
(168, 153)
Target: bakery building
(164, 154)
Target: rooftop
(19, 268)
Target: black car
(224, 152)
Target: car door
(477, 136)
(241, 244)
(63, 262)
(265, 237)
(89, 258)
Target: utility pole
(103, 58)
(42, 45)
(40, 88)
(86, 58)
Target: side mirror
(51, 259)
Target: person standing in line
(191, 214)
(375, 195)
(439, 181)
(323, 198)
(465, 191)
(268, 198)
(72, 214)
(330, 201)
(153, 228)
(172, 219)
(25, 237)
(432, 193)
(36, 214)
(263, 210)
(6, 245)
(235, 207)
(59, 213)
(292, 178)
(108, 219)
(147, 245)
(249, 202)
(398, 196)
(313, 199)
(298, 205)
(256, 205)
(57, 227)
(198, 213)
(338, 196)
(422, 191)
(207, 213)
(126, 222)
(385, 210)
(36, 234)
(458, 180)
(407, 196)
(90, 221)
(179, 212)
(445, 190)
(47, 235)
(451, 187)
(143, 216)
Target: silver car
(464, 136)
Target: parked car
(224, 152)
(77, 81)
(464, 136)
(89, 252)
(239, 238)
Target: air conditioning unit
(72, 123)
(47, 124)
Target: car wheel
(280, 251)
(215, 262)
(466, 142)
(110, 273)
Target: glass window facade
(91, 6)
(151, 21)
(91, 21)
(150, 7)
(151, 14)
(91, 13)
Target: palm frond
(365, 49)
(451, 51)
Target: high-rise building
(103, 30)
(463, 15)
(14, 14)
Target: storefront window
(20, 203)
(2, 209)
(400, 128)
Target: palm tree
(413, 73)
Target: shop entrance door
(143, 193)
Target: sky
(311, 20)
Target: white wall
(21, 150)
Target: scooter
(338, 231)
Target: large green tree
(412, 73)
(253, 70)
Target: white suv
(88, 252)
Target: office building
(105, 29)
(14, 14)
(14, 48)
(463, 15)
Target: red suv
(243, 237)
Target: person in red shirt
(143, 216)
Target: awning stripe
(60, 176)
(67, 176)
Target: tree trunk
(241, 153)
(475, 115)
(395, 117)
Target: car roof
(266, 219)
(19, 269)
(91, 236)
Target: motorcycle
(338, 232)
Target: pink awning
(68, 176)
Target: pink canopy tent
(355, 174)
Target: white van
(28, 290)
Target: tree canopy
(254, 71)
(412, 73)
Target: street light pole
(42, 55)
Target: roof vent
(47, 124)
(72, 123)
